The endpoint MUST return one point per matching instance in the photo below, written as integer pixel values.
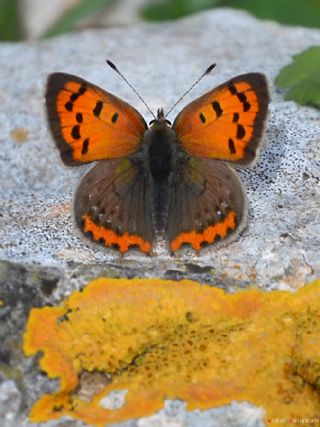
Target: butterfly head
(160, 121)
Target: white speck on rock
(114, 400)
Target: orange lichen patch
(110, 238)
(19, 135)
(162, 339)
(208, 235)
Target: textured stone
(10, 400)
(280, 247)
(174, 414)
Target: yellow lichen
(19, 134)
(160, 339)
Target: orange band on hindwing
(209, 235)
(109, 238)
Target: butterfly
(173, 180)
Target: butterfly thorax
(161, 146)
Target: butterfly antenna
(208, 70)
(115, 68)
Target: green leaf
(174, 9)
(305, 13)
(10, 25)
(302, 78)
(291, 12)
(78, 12)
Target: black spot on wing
(232, 147)
(202, 117)
(246, 106)
(79, 117)
(114, 118)
(68, 106)
(240, 131)
(235, 117)
(75, 132)
(98, 108)
(82, 89)
(74, 97)
(232, 89)
(85, 146)
(242, 97)
(217, 108)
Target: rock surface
(280, 247)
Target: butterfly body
(161, 179)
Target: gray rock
(174, 414)
(21, 288)
(278, 250)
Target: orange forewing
(226, 123)
(88, 123)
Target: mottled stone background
(43, 257)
